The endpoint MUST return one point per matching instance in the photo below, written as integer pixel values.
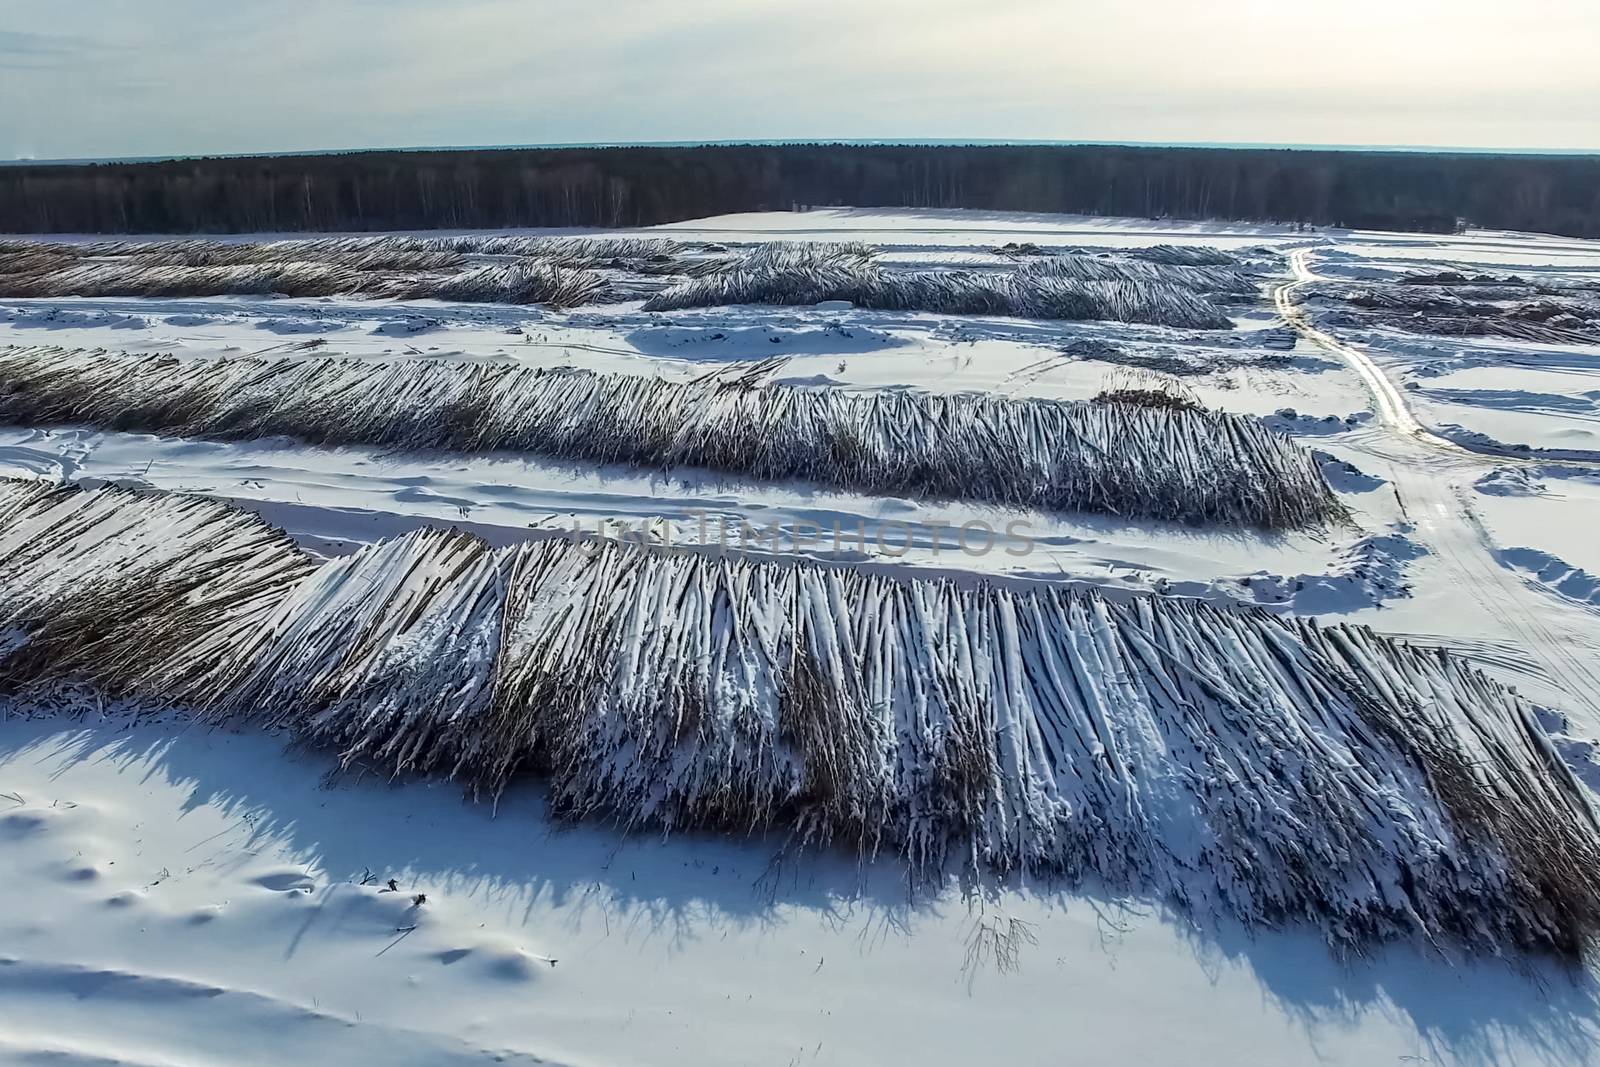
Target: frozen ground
(195, 898)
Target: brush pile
(565, 251)
(357, 253)
(379, 252)
(782, 256)
(1211, 281)
(1191, 466)
(124, 278)
(1186, 255)
(1140, 286)
(1023, 293)
(1524, 314)
(1188, 360)
(530, 281)
(1166, 399)
(17, 258)
(168, 569)
(522, 270)
(1229, 763)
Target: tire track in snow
(1438, 501)
(1388, 402)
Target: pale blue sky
(88, 78)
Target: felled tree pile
(1022, 293)
(1556, 316)
(1208, 280)
(559, 271)
(1230, 763)
(1183, 465)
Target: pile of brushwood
(1179, 464)
(1170, 255)
(1144, 286)
(1229, 763)
(1190, 360)
(1152, 296)
(559, 271)
(770, 256)
(1165, 399)
(1209, 280)
(1185, 255)
(379, 252)
(1556, 316)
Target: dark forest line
(646, 185)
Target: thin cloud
(280, 75)
(41, 49)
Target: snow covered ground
(182, 897)
(193, 897)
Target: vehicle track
(1388, 401)
(1436, 498)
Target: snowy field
(182, 895)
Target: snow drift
(1190, 466)
(1230, 763)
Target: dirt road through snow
(1432, 477)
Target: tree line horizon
(649, 185)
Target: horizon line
(913, 142)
